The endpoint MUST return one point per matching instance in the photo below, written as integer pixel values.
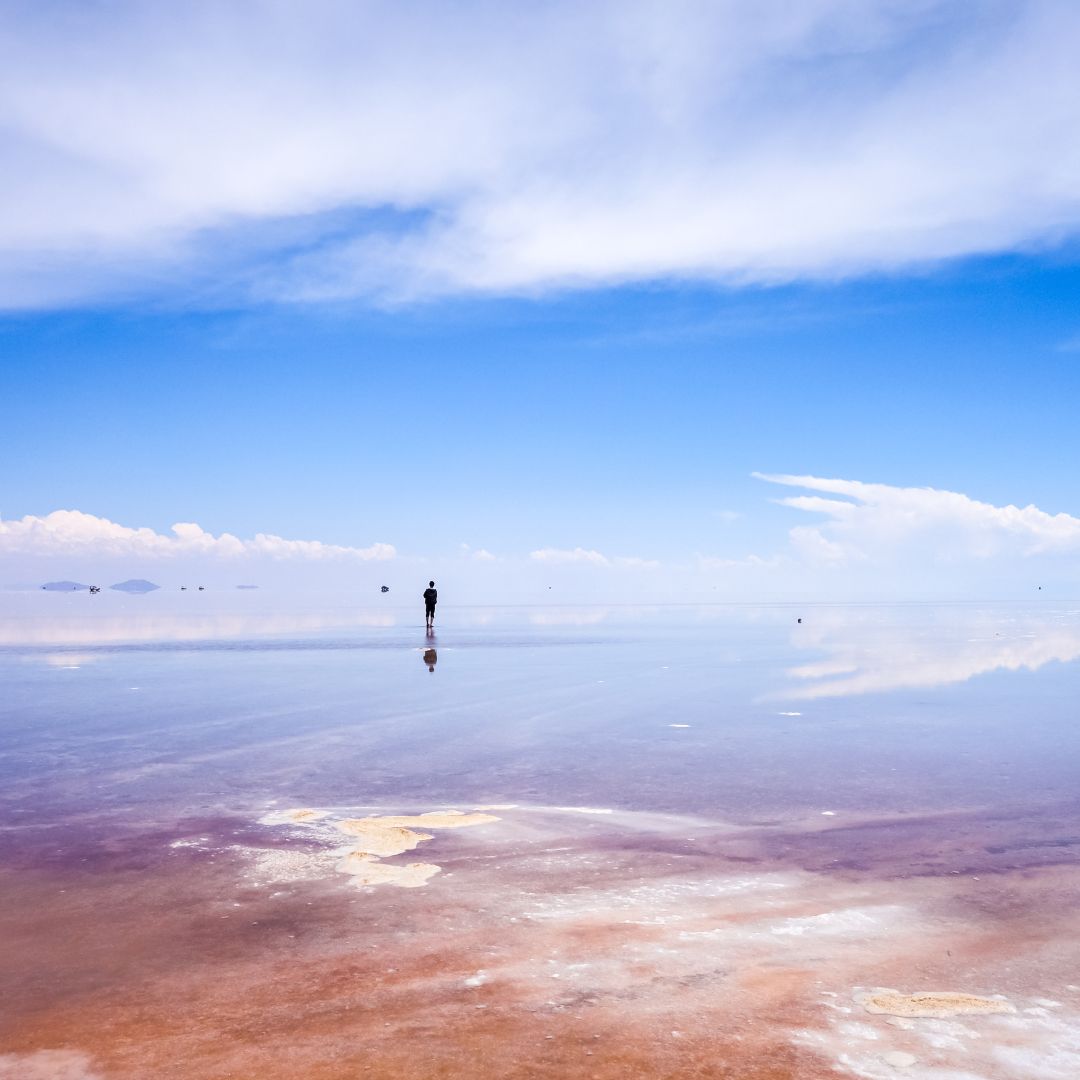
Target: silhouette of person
(431, 598)
(431, 658)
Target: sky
(558, 303)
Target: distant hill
(135, 585)
(247, 586)
(65, 586)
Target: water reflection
(40, 621)
(568, 617)
(864, 657)
(130, 629)
(834, 652)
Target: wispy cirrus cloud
(72, 532)
(877, 522)
(401, 151)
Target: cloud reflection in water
(864, 657)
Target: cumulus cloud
(338, 150)
(715, 562)
(71, 532)
(564, 556)
(561, 556)
(873, 522)
(478, 554)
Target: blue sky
(303, 310)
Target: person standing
(431, 598)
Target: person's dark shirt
(430, 597)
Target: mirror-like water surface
(710, 811)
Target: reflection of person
(431, 598)
(431, 657)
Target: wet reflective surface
(716, 828)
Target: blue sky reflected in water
(736, 712)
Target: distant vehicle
(385, 588)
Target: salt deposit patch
(998, 1038)
(383, 840)
(271, 865)
(933, 1003)
(377, 837)
(300, 816)
(898, 1059)
(653, 897)
(387, 836)
(370, 870)
(48, 1065)
(434, 819)
(846, 921)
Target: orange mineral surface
(557, 945)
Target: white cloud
(478, 554)
(635, 562)
(564, 556)
(810, 544)
(877, 522)
(336, 149)
(560, 556)
(716, 562)
(71, 532)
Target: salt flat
(697, 841)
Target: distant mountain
(135, 585)
(64, 586)
(247, 586)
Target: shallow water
(780, 812)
